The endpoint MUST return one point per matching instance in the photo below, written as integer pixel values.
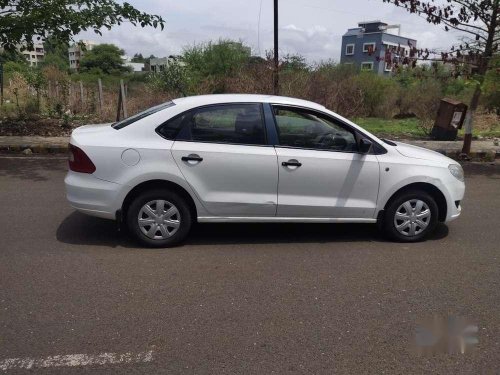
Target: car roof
(200, 100)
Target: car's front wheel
(411, 216)
(159, 218)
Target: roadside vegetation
(48, 100)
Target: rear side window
(139, 116)
(231, 123)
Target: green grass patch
(410, 128)
(386, 128)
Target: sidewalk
(485, 150)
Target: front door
(222, 153)
(321, 174)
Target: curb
(478, 155)
(35, 149)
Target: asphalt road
(252, 299)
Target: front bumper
(455, 192)
(92, 195)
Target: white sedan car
(255, 158)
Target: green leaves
(103, 58)
(23, 20)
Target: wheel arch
(158, 184)
(430, 189)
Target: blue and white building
(371, 47)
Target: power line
(258, 26)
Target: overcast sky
(312, 28)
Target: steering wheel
(326, 140)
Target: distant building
(34, 56)
(159, 64)
(136, 67)
(370, 47)
(76, 52)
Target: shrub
(380, 95)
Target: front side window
(306, 129)
(349, 49)
(229, 123)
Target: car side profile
(255, 158)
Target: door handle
(192, 157)
(291, 163)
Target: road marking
(76, 360)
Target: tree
(12, 56)
(103, 58)
(138, 58)
(173, 79)
(214, 61)
(56, 53)
(23, 20)
(480, 21)
(294, 63)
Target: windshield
(139, 116)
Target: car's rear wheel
(159, 218)
(411, 216)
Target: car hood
(416, 152)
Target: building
(158, 64)
(136, 67)
(76, 52)
(34, 56)
(370, 47)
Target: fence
(102, 102)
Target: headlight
(457, 171)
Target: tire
(161, 226)
(412, 220)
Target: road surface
(79, 297)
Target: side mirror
(365, 145)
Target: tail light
(79, 161)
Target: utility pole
(276, 54)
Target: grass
(402, 128)
(409, 128)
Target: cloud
(312, 28)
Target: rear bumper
(93, 196)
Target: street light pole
(276, 54)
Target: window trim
(367, 70)
(142, 115)
(353, 45)
(194, 109)
(358, 135)
(365, 50)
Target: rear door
(223, 154)
(321, 174)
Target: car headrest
(248, 123)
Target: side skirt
(219, 219)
